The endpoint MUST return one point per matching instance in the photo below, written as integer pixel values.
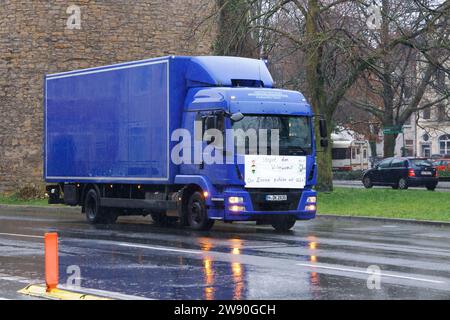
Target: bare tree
(333, 43)
(403, 73)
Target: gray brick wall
(34, 40)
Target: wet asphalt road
(320, 259)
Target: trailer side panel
(108, 125)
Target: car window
(421, 163)
(398, 163)
(385, 163)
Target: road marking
(21, 235)
(158, 248)
(81, 290)
(17, 279)
(104, 293)
(370, 273)
(6, 277)
(4, 298)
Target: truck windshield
(294, 133)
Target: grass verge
(386, 203)
(16, 201)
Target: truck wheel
(197, 214)
(283, 223)
(94, 213)
(402, 184)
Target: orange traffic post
(51, 261)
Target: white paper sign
(275, 171)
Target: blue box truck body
(110, 134)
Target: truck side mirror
(323, 128)
(323, 133)
(238, 116)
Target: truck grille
(260, 203)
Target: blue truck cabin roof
(250, 101)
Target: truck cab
(231, 197)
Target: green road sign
(393, 130)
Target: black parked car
(401, 173)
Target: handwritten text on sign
(275, 171)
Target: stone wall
(35, 40)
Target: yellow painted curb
(57, 294)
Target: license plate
(426, 173)
(276, 197)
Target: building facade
(433, 123)
(40, 37)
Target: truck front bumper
(254, 205)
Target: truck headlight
(311, 200)
(310, 207)
(237, 208)
(234, 200)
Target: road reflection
(314, 276)
(211, 271)
(209, 278)
(237, 269)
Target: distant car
(442, 164)
(401, 173)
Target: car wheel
(283, 223)
(197, 214)
(431, 187)
(402, 184)
(367, 182)
(94, 213)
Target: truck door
(213, 126)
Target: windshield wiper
(295, 148)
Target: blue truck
(142, 138)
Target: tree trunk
(233, 37)
(373, 148)
(317, 96)
(389, 145)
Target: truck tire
(283, 223)
(197, 214)
(96, 214)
